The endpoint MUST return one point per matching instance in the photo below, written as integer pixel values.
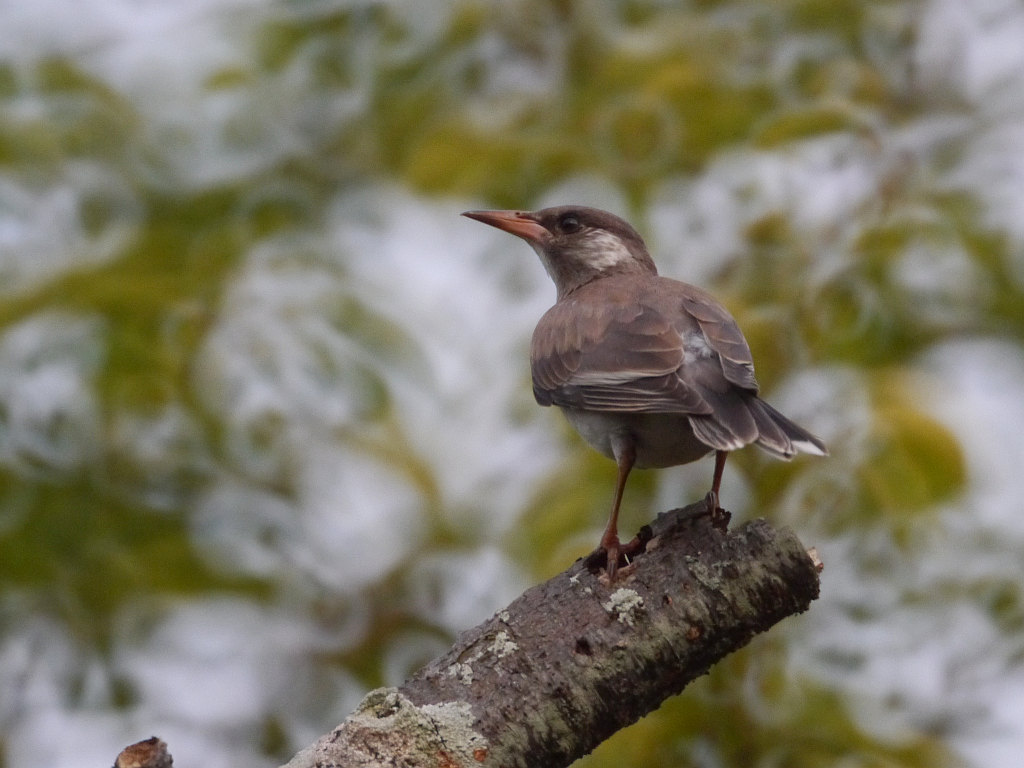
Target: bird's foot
(638, 544)
(719, 517)
(613, 556)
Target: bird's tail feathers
(715, 434)
(781, 437)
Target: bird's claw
(612, 555)
(719, 517)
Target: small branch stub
(151, 753)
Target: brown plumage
(651, 371)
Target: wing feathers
(723, 334)
(666, 347)
(661, 394)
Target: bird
(652, 372)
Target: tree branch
(575, 659)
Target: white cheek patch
(605, 250)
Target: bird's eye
(569, 223)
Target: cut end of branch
(819, 565)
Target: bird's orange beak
(518, 223)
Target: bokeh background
(267, 438)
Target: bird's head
(576, 244)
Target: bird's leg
(719, 517)
(625, 455)
(716, 484)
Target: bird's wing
(722, 333)
(670, 349)
(619, 355)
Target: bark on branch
(574, 659)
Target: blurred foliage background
(266, 431)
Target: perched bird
(652, 372)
